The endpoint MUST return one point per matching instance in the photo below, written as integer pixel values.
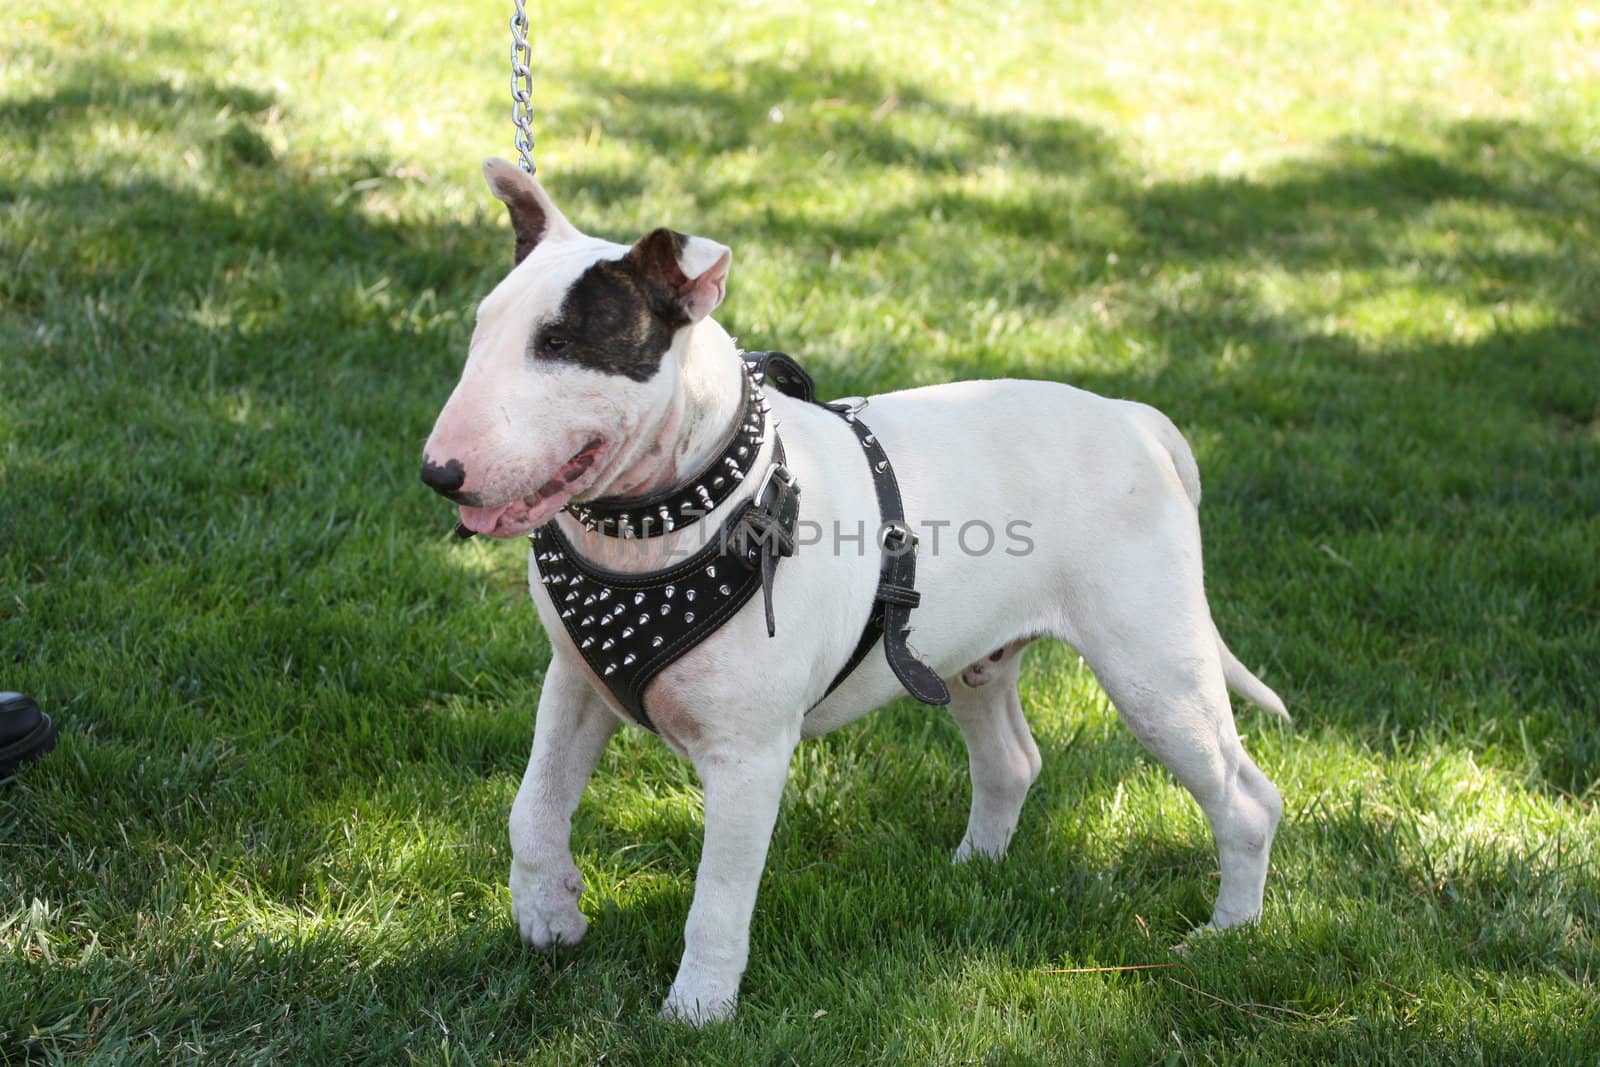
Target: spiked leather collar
(684, 503)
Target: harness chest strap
(630, 627)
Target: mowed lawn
(1352, 250)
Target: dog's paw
(971, 850)
(697, 1009)
(1212, 929)
(546, 906)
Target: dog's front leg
(568, 737)
(742, 790)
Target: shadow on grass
(985, 932)
(223, 564)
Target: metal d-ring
(848, 406)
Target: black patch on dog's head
(615, 319)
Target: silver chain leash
(522, 86)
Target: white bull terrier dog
(595, 374)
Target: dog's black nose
(446, 479)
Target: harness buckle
(895, 536)
(775, 472)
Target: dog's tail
(1247, 685)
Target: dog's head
(574, 365)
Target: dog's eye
(552, 343)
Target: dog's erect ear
(691, 271)
(534, 216)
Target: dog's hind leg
(1001, 755)
(571, 731)
(1154, 649)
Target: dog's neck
(686, 435)
(711, 394)
(679, 442)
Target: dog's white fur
(1109, 492)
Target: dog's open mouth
(520, 516)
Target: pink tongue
(482, 520)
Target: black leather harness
(629, 627)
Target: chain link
(522, 86)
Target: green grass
(1353, 251)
